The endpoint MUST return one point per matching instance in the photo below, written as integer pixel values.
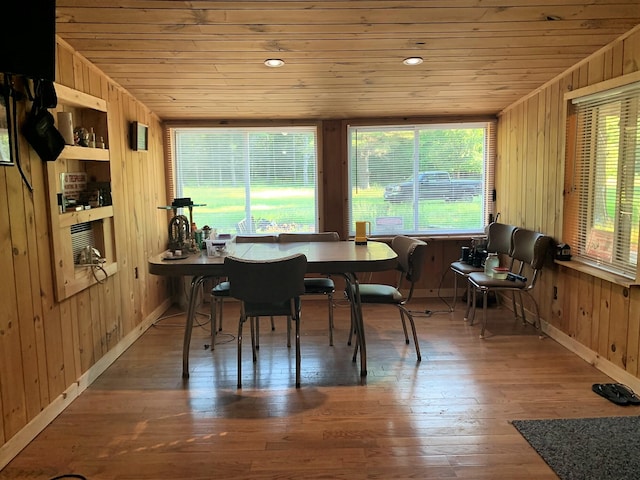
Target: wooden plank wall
(601, 316)
(46, 346)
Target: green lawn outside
(293, 209)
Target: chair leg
(330, 299)
(273, 325)
(351, 330)
(220, 301)
(297, 321)
(455, 291)
(538, 324)
(484, 311)
(240, 324)
(471, 307)
(404, 327)
(253, 321)
(524, 317)
(470, 292)
(257, 328)
(214, 327)
(289, 332)
(413, 331)
(515, 307)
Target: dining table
(345, 258)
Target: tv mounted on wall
(28, 38)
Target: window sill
(597, 272)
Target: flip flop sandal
(610, 392)
(626, 392)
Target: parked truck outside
(434, 185)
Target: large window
(422, 179)
(250, 180)
(602, 195)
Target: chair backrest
(309, 237)
(241, 226)
(267, 281)
(530, 248)
(412, 253)
(500, 238)
(256, 238)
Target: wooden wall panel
(45, 345)
(601, 316)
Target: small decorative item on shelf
(92, 138)
(65, 125)
(82, 136)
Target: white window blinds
(250, 180)
(422, 179)
(602, 211)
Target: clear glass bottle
(491, 261)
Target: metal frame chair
(499, 240)
(316, 285)
(221, 290)
(530, 250)
(412, 253)
(267, 288)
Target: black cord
(449, 307)
(14, 120)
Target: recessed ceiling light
(274, 62)
(412, 61)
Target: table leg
(353, 291)
(188, 327)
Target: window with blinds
(602, 198)
(422, 179)
(250, 180)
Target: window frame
(172, 167)
(573, 204)
(488, 173)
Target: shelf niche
(96, 223)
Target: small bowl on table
(500, 273)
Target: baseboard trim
(593, 358)
(21, 439)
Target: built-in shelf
(73, 152)
(92, 227)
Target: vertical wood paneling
(633, 341)
(605, 317)
(531, 198)
(45, 346)
(618, 329)
(595, 312)
(583, 315)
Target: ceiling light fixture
(412, 61)
(274, 62)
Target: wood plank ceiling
(343, 59)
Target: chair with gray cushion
(267, 288)
(316, 285)
(221, 290)
(529, 253)
(412, 254)
(499, 240)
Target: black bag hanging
(39, 128)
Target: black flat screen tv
(28, 38)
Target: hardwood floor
(448, 417)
